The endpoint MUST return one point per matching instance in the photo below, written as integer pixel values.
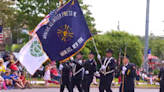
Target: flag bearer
(128, 74)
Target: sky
(130, 13)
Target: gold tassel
(72, 2)
(61, 1)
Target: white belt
(74, 73)
(105, 73)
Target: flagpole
(96, 48)
(123, 65)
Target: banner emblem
(36, 49)
(65, 33)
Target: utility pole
(147, 37)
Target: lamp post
(147, 36)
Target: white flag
(32, 56)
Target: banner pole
(96, 48)
(124, 65)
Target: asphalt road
(57, 90)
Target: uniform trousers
(161, 87)
(65, 82)
(76, 82)
(87, 82)
(105, 83)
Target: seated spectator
(16, 80)
(54, 74)
(34, 78)
(40, 72)
(13, 63)
(23, 78)
(2, 82)
(7, 79)
(6, 57)
(2, 67)
(94, 80)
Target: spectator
(54, 73)
(7, 79)
(2, 83)
(6, 57)
(40, 71)
(2, 67)
(150, 68)
(23, 78)
(47, 75)
(138, 76)
(94, 81)
(16, 80)
(13, 65)
(34, 77)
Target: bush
(156, 72)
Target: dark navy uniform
(106, 75)
(77, 72)
(129, 77)
(65, 78)
(161, 79)
(90, 68)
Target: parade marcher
(77, 72)
(161, 78)
(90, 68)
(128, 74)
(65, 69)
(106, 71)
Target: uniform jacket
(110, 66)
(161, 76)
(129, 77)
(90, 66)
(66, 71)
(77, 69)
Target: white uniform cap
(162, 61)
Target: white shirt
(6, 63)
(126, 64)
(41, 69)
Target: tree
(115, 40)
(31, 12)
(7, 13)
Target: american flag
(1, 33)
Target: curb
(94, 87)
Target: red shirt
(13, 67)
(22, 78)
(138, 72)
(54, 71)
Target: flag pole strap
(96, 48)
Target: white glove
(124, 68)
(97, 73)
(60, 67)
(103, 67)
(71, 58)
(86, 72)
(72, 64)
(98, 56)
(123, 72)
(80, 62)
